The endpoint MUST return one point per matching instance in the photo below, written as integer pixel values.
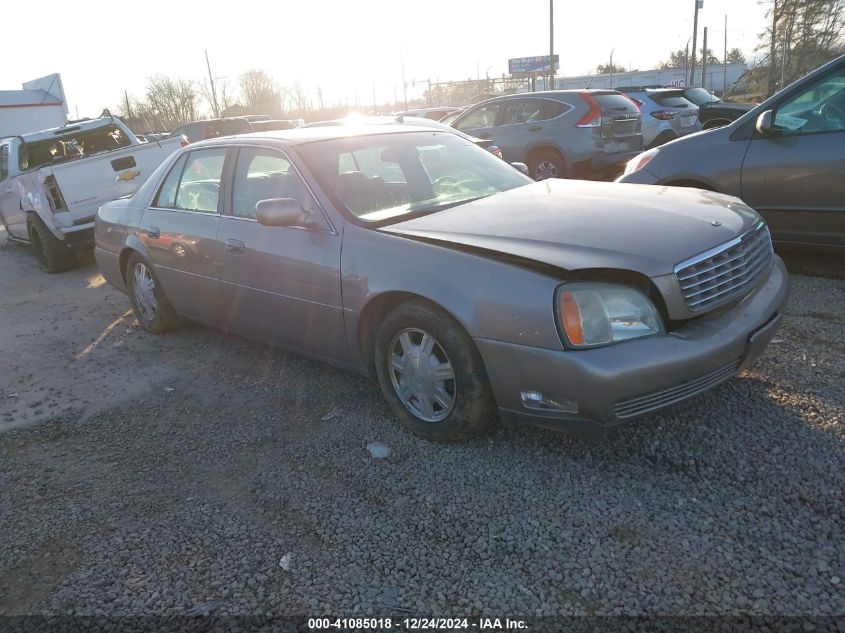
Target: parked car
(408, 120)
(51, 183)
(559, 133)
(712, 111)
(414, 256)
(667, 115)
(272, 124)
(435, 114)
(212, 128)
(785, 158)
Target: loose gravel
(237, 480)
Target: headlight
(640, 160)
(595, 314)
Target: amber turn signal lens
(571, 318)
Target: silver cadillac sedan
(464, 287)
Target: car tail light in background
(593, 116)
(663, 115)
(183, 142)
(494, 149)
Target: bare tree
(735, 56)
(298, 98)
(170, 101)
(803, 34)
(260, 93)
(677, 59)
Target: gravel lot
(153, 475)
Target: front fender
(490, 298)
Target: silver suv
(559, 133)
(667, 114)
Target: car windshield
(386, 177)
(700, 96)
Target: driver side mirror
(765, 123)
(522, 167)
(280, 212)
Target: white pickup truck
(53, 182)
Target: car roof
(304, 135)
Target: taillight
(183, 142)
(593, 116)
(494, 149)
(663, 115)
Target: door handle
(536, 128)
(153, 233)
(234, 246)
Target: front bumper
(615, 384)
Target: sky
(350, 49)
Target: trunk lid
(620, 117)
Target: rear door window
(166, 197)
(4, 161)
(199, 188)
(521, 111)
(482, 117)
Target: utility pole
(611, 68)
(213, 93)
(551, 45)
(404, 84)
(725, 61)
(375, 107)
(128, 109)
(771, 87)
(698, 3)
(704, 61)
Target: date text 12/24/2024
(417, 624)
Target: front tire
(51, 253)
(149, 303)
(432, 375)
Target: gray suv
(667, 114)
(785, 158)
(559, 133)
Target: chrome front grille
(727, 271)
(638, 405)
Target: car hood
(574, 225)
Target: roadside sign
(537, 64)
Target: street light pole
(551, 44)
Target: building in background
(718, 76)
(39, 106)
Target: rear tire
(432, 375)
(52, 254)
(149, 303)
(547, 163)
